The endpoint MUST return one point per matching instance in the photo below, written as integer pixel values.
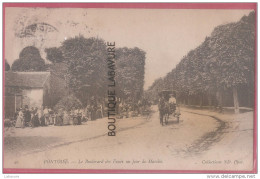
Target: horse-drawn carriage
(168, 107)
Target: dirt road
(201, 140)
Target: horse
(164, 109)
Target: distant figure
(140, 106)
(71, 115)
(51, 116)
(99, 112)
(163, 108)
(93, 109)
(20, 120)
(66, 118)
(84, 113)
(172, 100)
(160, 107)
(172, 103)
(41, 117)
(46, 116)
(77, 117)
(59, 118)
(27, 116)
(16, 113)
(88, 111)
(34, 118)
(120, 108)
(126, 110)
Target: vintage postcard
(129, 88)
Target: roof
(167, 92)
(26, 79)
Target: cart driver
(172, 103)
(172, 99)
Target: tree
(68, 103)
(130, 64)
(154, 90)
(7, 66)
(223, 64)
(29, 60)
(234, 50)
(87, 70)
(54, 55)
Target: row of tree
(219, 72)
(81, 62)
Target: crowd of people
(45, 116)
(132, 109)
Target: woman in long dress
(35, 118)
(20, 120)
(41, 117)
(59, 118)
(51, 116)
(66, 118)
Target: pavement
(202, 140)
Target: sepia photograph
(118, 88)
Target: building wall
(18, 99)
(46, 93)
(54, 89)
(9, 105)
(32, 97)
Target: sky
(166, 35)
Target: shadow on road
(207, 140)
(172, 122)
(26, 143)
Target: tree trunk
(189, 101)
(235, 97)
(201, 100)
(219, 100)
(210, 100)
(249, 99)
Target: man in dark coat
(27, 116)
(93, 109)
(162, 106)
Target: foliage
(86, 61)
(83, 63)
(54, 55)
(68, 102)
(7, 66)
(29, 60)
(130, 64)
(224, 61)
